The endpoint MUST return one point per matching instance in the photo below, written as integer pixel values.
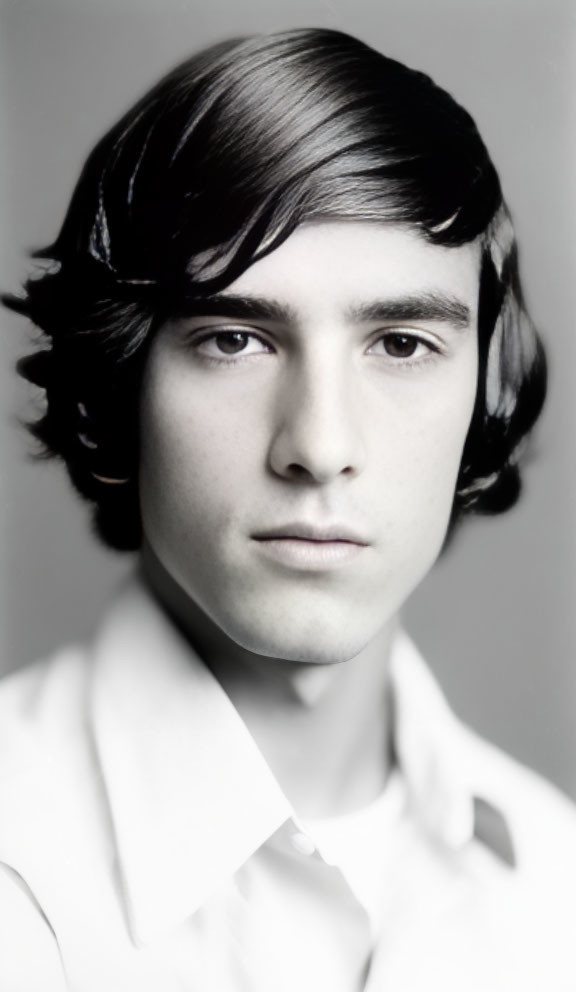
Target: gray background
(496, 617)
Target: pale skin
(300, 448)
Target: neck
(325, 730)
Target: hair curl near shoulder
(213, 169)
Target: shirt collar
(426, 749)
(191, 797)
(447, 770)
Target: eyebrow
(235, 306)
(431, 306)
(427, 306)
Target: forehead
(333, 264)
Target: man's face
(301, 441)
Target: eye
(221, 345)
(398, 344)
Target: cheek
(195, 452)
(422, 452)
(433, 423)
(438, 443)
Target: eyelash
(433, 350)
(233, 359)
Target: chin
(311, 641)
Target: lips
(311, 532)
(309, 547)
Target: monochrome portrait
(288, 694)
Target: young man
(287, 352)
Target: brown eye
(231, 342)
(226, 346)
(400, 345)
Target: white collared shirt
(146, 845)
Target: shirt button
(303, 844)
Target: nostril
(318, 451)
(298, 470)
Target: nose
(318, 433)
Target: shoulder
(46, 755)
(44, 767)
(42, 707)
(453, 771)
(29, 953)
(540, 817)
(48, 773)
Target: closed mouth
(325, 534)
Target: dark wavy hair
(214, 168)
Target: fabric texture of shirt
(146, 845)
